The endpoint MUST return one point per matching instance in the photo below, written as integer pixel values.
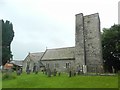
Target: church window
(67, 65)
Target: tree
(111, 48)
(7, 37)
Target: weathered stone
(79, 40)
(88, 41)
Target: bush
(8, 76)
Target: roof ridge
(36, 52)
(60, 48)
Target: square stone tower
(88, 49)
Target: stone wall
(92, 39)
(79, 41)
(59, 65)
(88, 40)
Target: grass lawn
(42, 81)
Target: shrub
(8, 76)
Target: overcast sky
(51, 23)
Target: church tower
(88, 49)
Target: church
(86, 55)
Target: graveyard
(63, 80)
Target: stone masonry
(88, 41)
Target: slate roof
(36, 56)
(59, 54)
(66, 53)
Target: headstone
(36, 70)
(74, 72)
(84, 69)
(21, 70)
(27, 68)
(18, 72)
(70, 73)
(28, 71)
(46, 71)
(59, 73)
(55, 72)
(78, 70)
(49, 72)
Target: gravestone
(55, 72)
(59, 73)
(28, 71)
(34, 67)
(49, 72)
(84, 69)
(36, 70)
(70, 73)
(18, 72)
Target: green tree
(7, 37)
(111, 48)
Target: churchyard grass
(42, 81)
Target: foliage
(111, 47)
(7, 37)
(42, 81)
(8, 76)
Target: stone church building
(86, 54)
